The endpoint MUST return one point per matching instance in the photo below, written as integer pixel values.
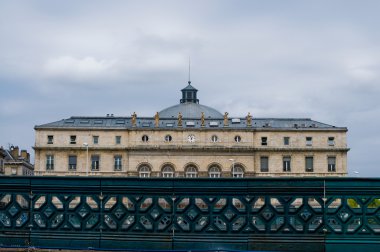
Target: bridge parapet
(308, 214)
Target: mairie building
(190, 140)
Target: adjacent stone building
(13, 162)
(190, 140)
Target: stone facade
(134, 146)
(15, 163)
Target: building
(190, 140)
(13, 162)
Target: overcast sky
(314, 59)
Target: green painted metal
(282, 214)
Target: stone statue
(249, 119)
(134, 117)
(179, 119)
(225, 119)
(203, 119)
(156, 119)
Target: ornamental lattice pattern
(174, 214)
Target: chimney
(24, 155)
(14, 152)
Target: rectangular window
(118, 139)
(72, 163)
(73, 139)
(331, 141)
(264, 141)
(331, 164)
(118, 163)
(50, 139)
(95, 139)
(95, 162)
(286, 140)
(286, 164)
(309, 141)
(309, 166)
(49, 162)
(264, 164)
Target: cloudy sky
(274, 58)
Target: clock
(191, 138)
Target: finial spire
(189, 93)
(189, 72)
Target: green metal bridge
(282, 214)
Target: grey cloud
(272, 58)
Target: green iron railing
(284, 214)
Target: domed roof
(190, 110)
(189, 107)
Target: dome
(190, 110)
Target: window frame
(214, 138)
(49, 162)
(168, 138)
(191, 171)
(117, 139)
(237, 139)
(264, 141)
(144, 171)
(264, 160)
(307, 169)
(332, 168)
(331, 141)
(50, 139)
(72, 166)
(95, 139)
(73, 139)
(167, 171)
(287, 164)
(118, 162)
(286, 141)
(145, 138)
(309, 141)
(214, 171)
(95, 163)
(237, 171)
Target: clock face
(191, 138)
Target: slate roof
(191, 118)
(7, 155)
(190, 110)
(111, 122)
(189, 87)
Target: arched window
(144, 171)
(167, 171)
(191, 172)
(237, 171)
(214, 172)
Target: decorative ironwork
(106, 209)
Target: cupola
(189, 94)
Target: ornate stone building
(13, 162)
(190, 140)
